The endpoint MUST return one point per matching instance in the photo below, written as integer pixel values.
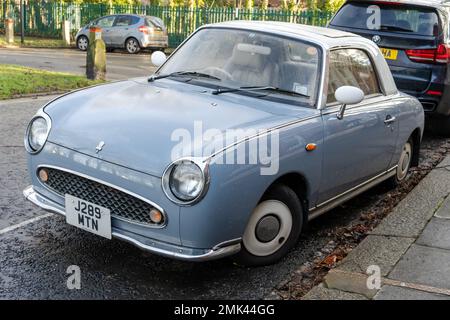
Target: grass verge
(34, 42)
(17, 80)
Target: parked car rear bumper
(436, 105)
(155, 43)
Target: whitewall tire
(273, 228)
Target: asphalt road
(34, 257)
(119, 65)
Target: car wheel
(132, 46)
(273, 228)
(82, 43)
(440, 126)
(404, 164)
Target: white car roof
(327, 37)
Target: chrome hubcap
(82, 43)
(132, 46)
(268, 228)
(404, 162)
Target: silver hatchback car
(129, 31)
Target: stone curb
(386, 244)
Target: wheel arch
(299, 184)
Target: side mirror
(158, 58)
(347, 95)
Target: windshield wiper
(183, 73)
(266, 88)
(394, 28)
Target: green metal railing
(43, 19)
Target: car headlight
(37, 133)
(185, 181)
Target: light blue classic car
(244, 134)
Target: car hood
(141, 123)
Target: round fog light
(43, 175)
(156, 216)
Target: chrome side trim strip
(267, 131)
(347, 195)
(111, 186)
(218, 251)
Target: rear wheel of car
(273, 228)
(404, 164)
(82, 43)
(440, 126)
(132, 46)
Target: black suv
(414, 38)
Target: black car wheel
(132, 46)
(82, 43)
(439, 126)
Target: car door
(106, 24)
(121, 29)
(359, 146)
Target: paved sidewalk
(411, 247)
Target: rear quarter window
(154, 22)
(392, 17)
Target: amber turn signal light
(156, 216)
(43, 175)
(311, 147)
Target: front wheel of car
(273, 228)
(82, 43)
(132, 46)
(404, 164)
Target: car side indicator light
(311, 147)
(43, 175)
(156, 216)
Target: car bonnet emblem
(376, 39)
(100, 146)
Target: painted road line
(24, 223)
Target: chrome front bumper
(219, 251)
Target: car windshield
(240, 59)
(392, 18)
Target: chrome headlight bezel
(203, 167)
(39, 115)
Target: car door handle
(390, 120)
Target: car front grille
(122, 205)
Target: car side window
(106, 22)
(351, 67)
(124, 21)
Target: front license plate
(88, 216)
(390, 54)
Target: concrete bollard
(96, 55)
(65, 28)
(9, 30)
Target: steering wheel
(216, 71)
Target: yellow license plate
(390, 54)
